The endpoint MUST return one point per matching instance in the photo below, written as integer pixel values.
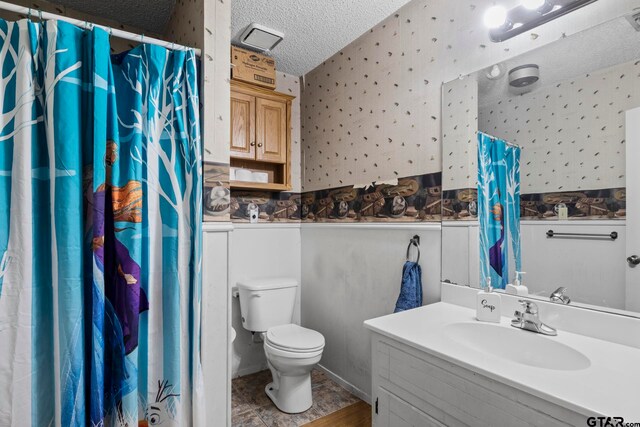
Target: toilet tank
(267, 302)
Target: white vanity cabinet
(414, 388)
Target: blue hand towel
(411, 288)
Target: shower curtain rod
(121, 34)
(511, 144)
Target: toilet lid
(295, 338)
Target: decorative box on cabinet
(261, 135)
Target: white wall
(461, 253)
(256, 251)
(215, 318)
(351, 273)
(593, 270)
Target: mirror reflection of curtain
(100, 231)
(498, 210)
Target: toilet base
(292, 395)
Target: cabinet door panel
(243, 112)
(271, 130)
(395, 412)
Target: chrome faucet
(528, 319)
(558, 296)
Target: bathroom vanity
(438, 366)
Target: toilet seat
(292, 338)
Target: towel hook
(415, 241)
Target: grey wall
(351, 274)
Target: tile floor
(252, 408)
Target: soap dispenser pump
(488, 304)
(518, 288)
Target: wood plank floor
(356, 415)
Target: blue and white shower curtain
(498, 210)
(100, 231)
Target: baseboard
(248, 370)
(346, 385)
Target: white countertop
(610, 386)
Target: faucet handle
(559, 296)
(529, 307)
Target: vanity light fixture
(495, 17)
(504, 24)
(534, 4)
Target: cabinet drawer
(395, 412)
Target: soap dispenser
(488, 304)
(518, 288)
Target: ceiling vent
(524, 75)
(261, 38)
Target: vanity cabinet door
(395, 412)
(271, 130)
(243, 133)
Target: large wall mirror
(549, 135)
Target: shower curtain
(498, 210)
(100, 231)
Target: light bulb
(533, 4)
(495, 17)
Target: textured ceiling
(148, 15)
(612, 43)
(314, 29)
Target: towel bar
(613, 235)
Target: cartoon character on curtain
(498, 209)
(100, 231)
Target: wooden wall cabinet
(261, 135)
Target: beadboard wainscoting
(257, 251)
(593, 270)
(352, 272)
(215, 320)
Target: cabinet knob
(252, 144)
(260, 144)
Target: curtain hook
(110, 32)
(142, 38)
(40, 14)
(29, 14)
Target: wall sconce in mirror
(504, 24)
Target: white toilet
(266, 306)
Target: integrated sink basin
(516, 345)
(570, 373)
